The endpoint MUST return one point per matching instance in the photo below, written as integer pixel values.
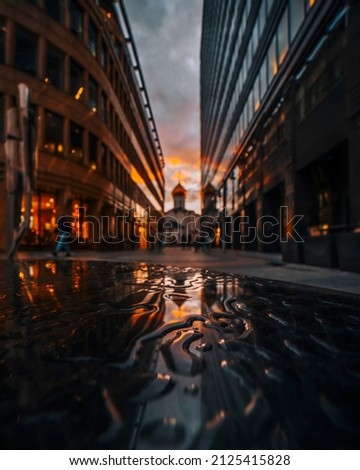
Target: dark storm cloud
(167, 35)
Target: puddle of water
(114, 355)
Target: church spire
(179, 195)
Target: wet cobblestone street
(102, 355)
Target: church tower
(179, 195)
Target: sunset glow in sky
(167, 36)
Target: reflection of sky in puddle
(97, 354)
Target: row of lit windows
(54, 142)
(26, 54)
(289, 24)
(82, 86)
(98, 157)
(287, 29)
(26, 59)
(57, 9)
(322, 76)
(263, 12)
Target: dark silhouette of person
(64, 236)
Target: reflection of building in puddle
(178, 418)
(182, 296)
(142, 272)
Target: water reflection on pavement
(107, 355)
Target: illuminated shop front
(42, 220)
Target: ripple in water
(240, 368)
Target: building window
(92, 40)
(257, 94)
(76, 141)
(251, 105)
(248, 58)
(243, 76)
(317, 83)
(104, 160)
(93, 150)
(25, 51)
(283, 37)
(336, 70)
(76, 80)
(55, 9)
(112, 166)
(77, 19)
(300, 105)
(262, 16)
(93, 94)
(103, 55)
(297, 15)
(2, 118)
(270, 4)
(272, 60)
(116, 178)
(248, 110)
(103, 106)
(255, 36)
(54, 133)
(55, 66)
(281, 128)
(117, 48)
(242, 125)
(2, 39)
(263, 79)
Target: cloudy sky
(167, 36)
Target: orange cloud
(173, 161)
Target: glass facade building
(276, 85)
(98, 146)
